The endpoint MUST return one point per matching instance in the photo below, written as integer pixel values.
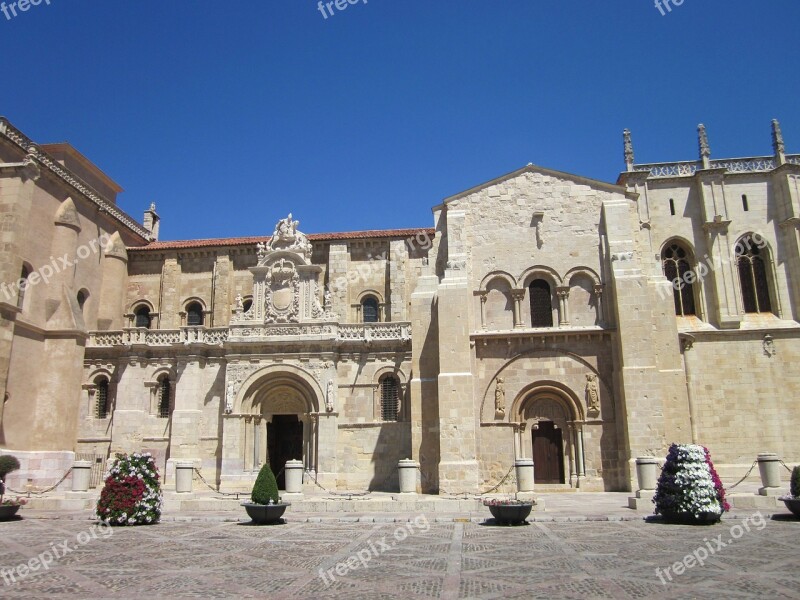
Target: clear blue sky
(230, 114)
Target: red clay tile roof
(314, 237)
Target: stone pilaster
(458, 466)
(398, 259)
(170, 302)
(222, 293)
(641, 408)
(338, 261)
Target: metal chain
(213, 489)
(348, 494)
(743, 478)
(788, 468)
(50, 489)
(499, 484)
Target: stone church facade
(544, 315)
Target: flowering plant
(794, 486)
(689, 484)
(505, 502)
(132, 491)
(18, 501)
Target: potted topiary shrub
(132, 491)
(689, 490)
(792, 501)
(266, 506)
(8, 506)
(509, 512)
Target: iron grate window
(143, 317)
(165, 398)
(390, 399)
(369, 310)
(541, 304)
(194, 315)
(102, 399)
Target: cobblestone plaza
(420, 558)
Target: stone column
(563, 306)
(518, 296)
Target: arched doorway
(278, 422)
(551, 435)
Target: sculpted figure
(500, 399)
(329, 406)
(592, 393)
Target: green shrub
(265, 488)
(8, 464)
(796, 482)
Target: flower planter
(708, 518)
(7, 511)
(793, 504)
(265, 514)
(511, 514)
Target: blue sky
(230, 114)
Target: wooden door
(548, 454)
(284, 442)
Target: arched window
(82, 296)
(676, 262)
(390, 398)
(165, 398)
(369, 310)
(194, 314)
(752, 259)
(103, 405)
(541, 303)
(143, 317)
(23, 284)
(247, 304)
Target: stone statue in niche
(592, 394)
(238, 306)
(329, 405)
(230, 396)
(499, 399)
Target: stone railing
(359, 332)
(375, 332)
(158, 337)
(756, 164)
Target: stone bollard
(184, 472)
(524, 467)
(769, 466)
(293, 472)
(647, 480)
(408, 476)
(81, 475)
(647, 473)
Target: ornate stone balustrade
(756, 164)
(158, 337)
(332, 332)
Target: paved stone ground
(434, 560)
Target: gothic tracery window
(676, 262)
(752, 260)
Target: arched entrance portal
(279, 421)
(555, 442)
